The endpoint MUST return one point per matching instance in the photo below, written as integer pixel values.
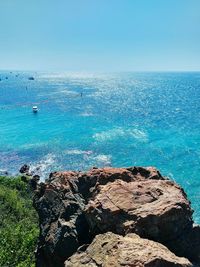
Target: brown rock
(111, 250)
(75, 206)
(63, 227)
(156, 209)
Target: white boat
(35, 109)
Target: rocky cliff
(114, 217)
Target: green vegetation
(18, 224)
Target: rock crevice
(132, 206)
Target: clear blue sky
(100, 35)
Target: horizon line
(97, 71)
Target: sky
(100, 35)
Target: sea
(103, 119)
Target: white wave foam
(34, 145)
(78, 152)
(43, 167)
(138, 134)
(102, 159)
(121, 133)
(86, 114)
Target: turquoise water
(122, 119)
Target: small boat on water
(35, 109)
(31, 78)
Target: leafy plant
(18, 224)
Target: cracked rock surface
(111, 250)
(74, 207)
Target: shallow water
(85, 120)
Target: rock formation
(114, 251)
(74, 207)
(25, 169)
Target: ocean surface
(119, 119)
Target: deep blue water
(122, 119)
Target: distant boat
(31, 78)
(35, 109)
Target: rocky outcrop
(25, 169)
(62, 224)
(114, 251)
(156, 209)
(74, 207)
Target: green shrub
(18, 224)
